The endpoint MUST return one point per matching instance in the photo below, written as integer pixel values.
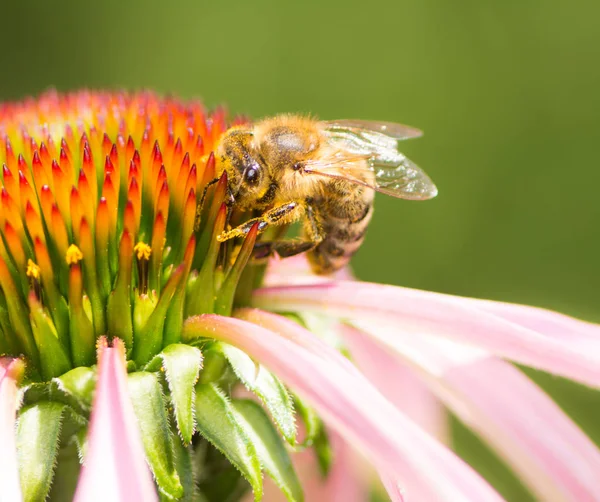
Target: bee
(290, 167)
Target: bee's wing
(392, 173)
(391, 129)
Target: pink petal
(398, 448)
(456, 318)
(115, 466)
(527, 428)
(10, 487)
(399, 384)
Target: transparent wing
(391, 129)
(372, 159)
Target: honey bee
(290, 167)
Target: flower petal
(399, 383)
(448, 316)
(9, 474)
(350, 404)
(115, 466)
(526, 427)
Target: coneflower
(136, 344)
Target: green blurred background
(506, 92)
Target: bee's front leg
(292, 247)
(285, 213)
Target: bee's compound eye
(251, 174)
(297, 166)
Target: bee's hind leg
(292, 247)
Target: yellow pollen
(33, 270)
(74, 255)
(142, 250)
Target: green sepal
(82, 335)
(312, 423)
(54, 360)
(218, 421)
(146, 396)
(181, 364)
(270, 448)
(215, 364)
(74, 389)
(184, 466)
(118, 313)
(324, 452)
(148, 339)
(267, 387)
(201, 295)
(38, 440)
(79, 383)
(224, 300)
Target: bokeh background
(506, 92)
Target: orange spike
(188, 255)
(189, 214)
(114, 156)
(76, 212)
(10, 211)
(191, 181)
(198, 148)
(40, 173)
(43, 260)
(134, 195)
(24, 167)
(162, 201)
(111, 195)
(64, 146)
(87, 166)
(61, 189)
(14, 246)
(26, 193)
(182, 175)
(157, 160)
(51, 148)
(66, 166)
(129, 149)
(86, 196)
(59, 230)
(44, 156)
(10, 183)
(145, 149)
(102, 224)
(107, 145)
(86, 243)
(34, 222)
(177, 157)
(130, 224)
(208, 173)
(11, 160)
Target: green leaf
(38, 437)
(271, 450)
(182, 365)
(149, 406)
(220, 424)
(267, 387)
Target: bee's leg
(229, 201)
(292, 247)
(285, 213)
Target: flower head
(126, 337)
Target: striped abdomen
(344, 216)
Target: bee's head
(246, 170)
